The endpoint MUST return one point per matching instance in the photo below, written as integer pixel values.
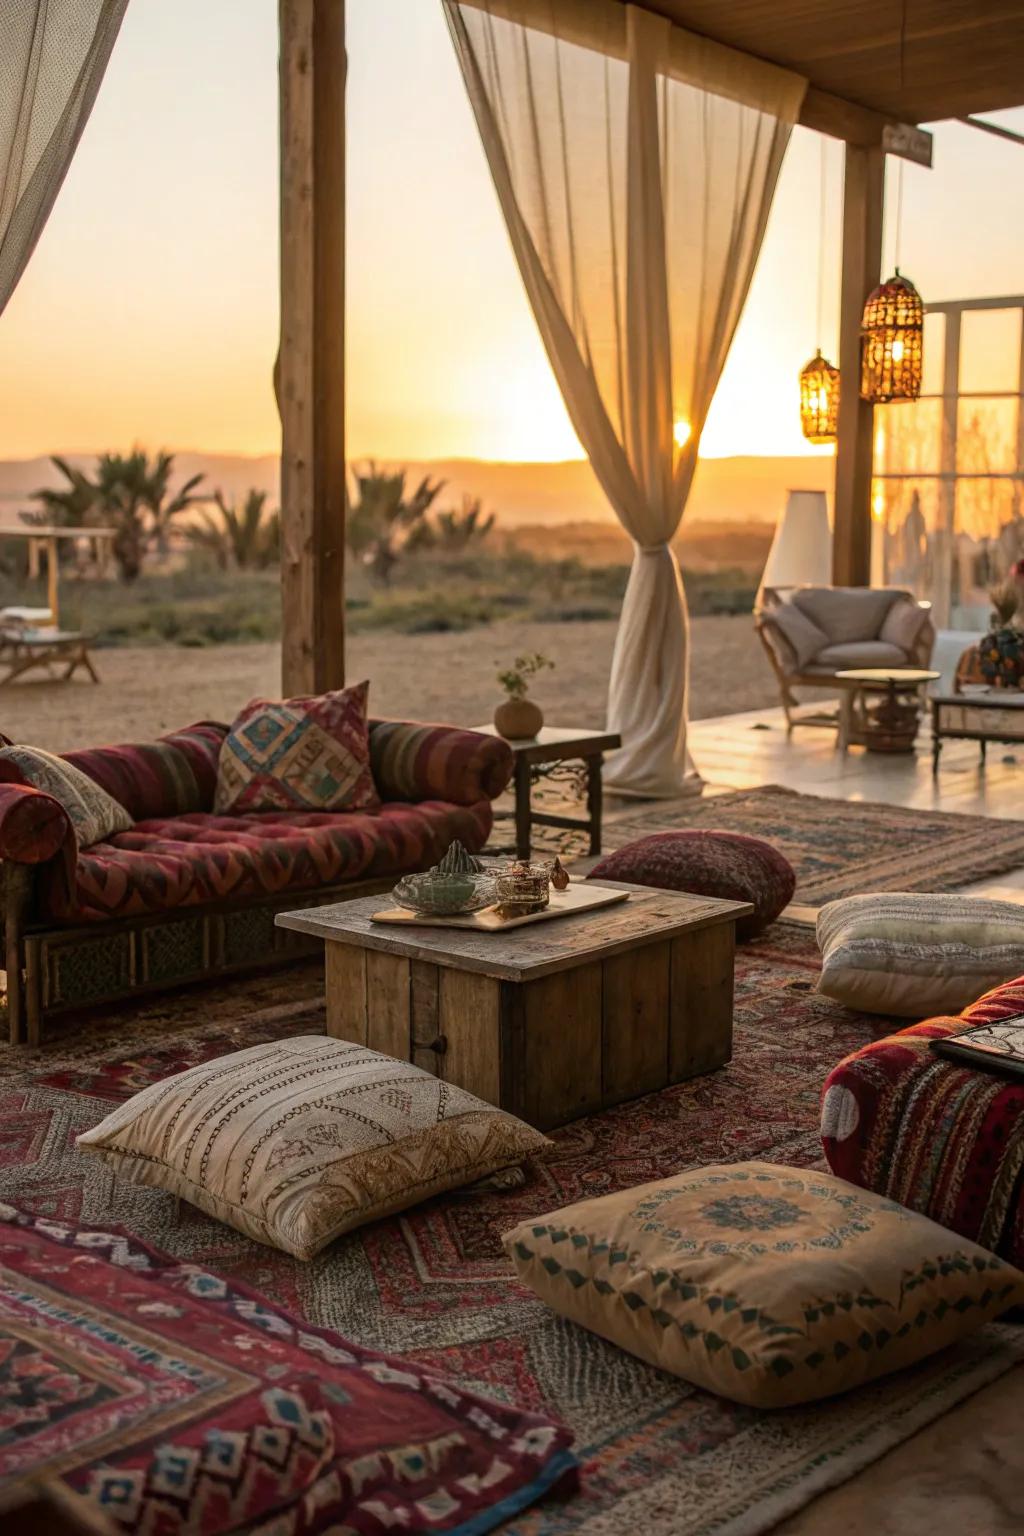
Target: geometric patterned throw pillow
(93, 813)
(307, 754)
(768, 1285)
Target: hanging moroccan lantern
(891, 336)
(819, 400)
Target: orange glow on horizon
(149, 310)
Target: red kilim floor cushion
(729, 865)
(940, 1138)
(176, 1401)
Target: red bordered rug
(171, 1399)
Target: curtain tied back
(635, 164)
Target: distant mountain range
(742, 489)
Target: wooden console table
(549, 754)
(550, 1021)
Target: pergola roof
(873, 68)
(957, 56)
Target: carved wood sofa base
(53, 972)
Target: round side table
(880, 707)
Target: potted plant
(1001, 652)
(518, 717)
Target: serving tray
(575, 898)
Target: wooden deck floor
(744, 751)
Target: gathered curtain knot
(653, 549)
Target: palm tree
(71, 505)
(134, 496)
(249, 538)
(163, 506)
(377, 521)
(128, 492)
(452, 532)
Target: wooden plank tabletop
(525, 953)
(552, 743)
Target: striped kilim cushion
(309, 754)
(939, 1137)
(171, 776)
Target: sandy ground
(145, 691)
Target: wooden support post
(53, 581)
(310, 376)
(863, 202)
(945, 520)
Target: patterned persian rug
(844, 847)
(432, 1286)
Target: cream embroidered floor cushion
(765, 1284)
(300, 1140)
(911, 955)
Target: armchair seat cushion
(201, 858)
(859, 653)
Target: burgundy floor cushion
(729, 865)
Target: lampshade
(819, 400)
(801, 552)
(891, 336)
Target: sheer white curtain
(53, 54)
(635, 164)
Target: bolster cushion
(437, 762)
(172, 776)
(33, 825)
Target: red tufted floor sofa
(187, 894)
(933, 1135)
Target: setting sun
(681, 433)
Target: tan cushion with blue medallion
(765, 1284)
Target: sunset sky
(149, 310)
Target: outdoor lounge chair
(811, 633)
(24, 646)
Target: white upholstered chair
(811, 633)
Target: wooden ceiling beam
(821, 110)
(842, 119)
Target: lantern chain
(821, 242)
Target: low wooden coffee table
(550, 1021)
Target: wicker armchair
(811, 633)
